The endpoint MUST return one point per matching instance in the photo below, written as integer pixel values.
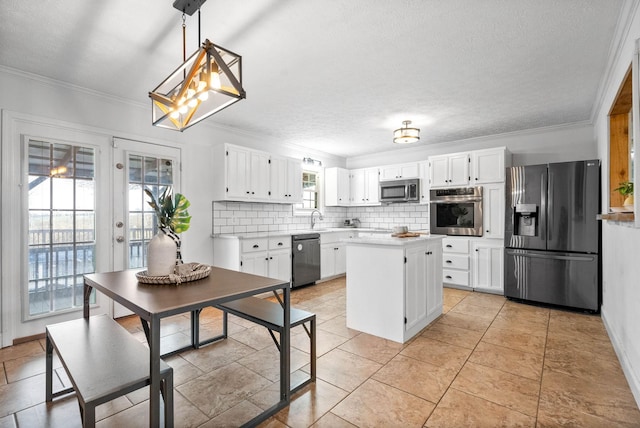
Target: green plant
(625, 189)
(171, 210)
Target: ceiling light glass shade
(208, 81)
(406, 135)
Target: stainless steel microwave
(400, 190)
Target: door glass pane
(61, 227)
(158, 174)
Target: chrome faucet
(313, 221)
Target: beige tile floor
(486, 362)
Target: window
(151, 173)
(310, 191)
(61, 225)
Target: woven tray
(187, 272)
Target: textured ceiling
(338, 75)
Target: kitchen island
(394, 285)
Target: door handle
(120, 239)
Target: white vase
(161, 255)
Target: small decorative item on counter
(163, 253)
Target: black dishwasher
(305, 259)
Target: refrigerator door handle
(550, 209)
(542, 224)
(551, 256)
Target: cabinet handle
(248, 192)
(476, 250)
(488, 231)
(253, 193)
(449, 246)
(448, 276)
(280, 244)
(256, 246)
(448, 261)
(266, 258)
(270, 258)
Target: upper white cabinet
(424, 181)
(286, 184)
(488, 166)
(364, 186)
(449, 170)
(245, 174)
(242, 174)
(493, 200)
(469, 168)
(400, 171)
(336, 187)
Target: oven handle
(449, 201)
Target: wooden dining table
(154, 302)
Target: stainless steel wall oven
(456, 211)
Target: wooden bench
(270, 315)
(103, 361)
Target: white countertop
(392, 241)
(273, 234)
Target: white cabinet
(423, 286)
(286, 180)
(469, 168)
(247, 174)
(333, 254)
(455, 261)
(336, 187)
(488, 166)
(242, 174)
(389, 287)
(488, 262)
(364, 186)
(400, 171)
(424, 181)
(493, 200)
(473, 263)
(269, 257)
(449, 170)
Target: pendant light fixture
(406, 135)
(207, 82)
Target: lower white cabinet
(473, 263)
(455, 261)
(423, 290)
(488, 265)
(333, 253)
(393, 290)
(269, 257)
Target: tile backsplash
(243, 217)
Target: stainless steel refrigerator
(552, 236)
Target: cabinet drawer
(259, 244)
(280, 243)
(455, 245)
(458, 277)
(455, 261)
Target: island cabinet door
(433, 269)
(415, 286)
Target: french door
(138, 166)
(72, 204)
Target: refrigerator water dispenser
(525, 217)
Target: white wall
(621, 241)
(551, 144)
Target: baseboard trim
(625, 362)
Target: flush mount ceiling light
(209, 81)
(406, 135)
